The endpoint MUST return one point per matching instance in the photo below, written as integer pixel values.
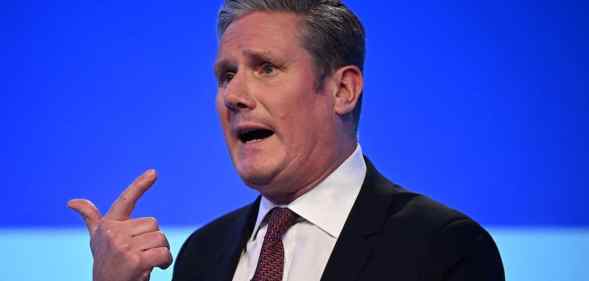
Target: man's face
(280, 129)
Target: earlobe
(350, 83)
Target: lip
(247, 126)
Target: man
(289, 92)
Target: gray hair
(331, 33)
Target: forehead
(264, 32)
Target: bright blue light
(528, 254)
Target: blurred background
(480, 105)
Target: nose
(237, 95)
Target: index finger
(121, 209)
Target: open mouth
(254, 135)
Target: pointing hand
(124, 249)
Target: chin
(255, 177)
(259, 170)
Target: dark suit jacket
(390, 234)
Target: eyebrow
(221, 66)
(257, 56)
(252, 57)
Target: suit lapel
(236, 240)
(356, 241)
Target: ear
(349, 85)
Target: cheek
(221, 109)
(219, 103)
(223, 114)
(299, 122)
(291, 102)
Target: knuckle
(107, 229)
(121, 246)
(157, 253)
(164, 252)
(134, 261)
(100, 227)
(120, 243)
(164, 255)
(170, 257)
(152, 222)
(168, 260)
(161, 238)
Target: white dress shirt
(323, 211)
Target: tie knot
(279, 221)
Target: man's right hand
(124, 249)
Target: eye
(267, 69)
(226, 77)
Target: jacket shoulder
(426, 239)
(212, 230)
(206, 244)
(414, 210)
(423, 212)
(444, 242)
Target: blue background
(482, 106)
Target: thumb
(88, 211)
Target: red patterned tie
(271, 261)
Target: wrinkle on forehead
(273, 28)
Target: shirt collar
(328, 204)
